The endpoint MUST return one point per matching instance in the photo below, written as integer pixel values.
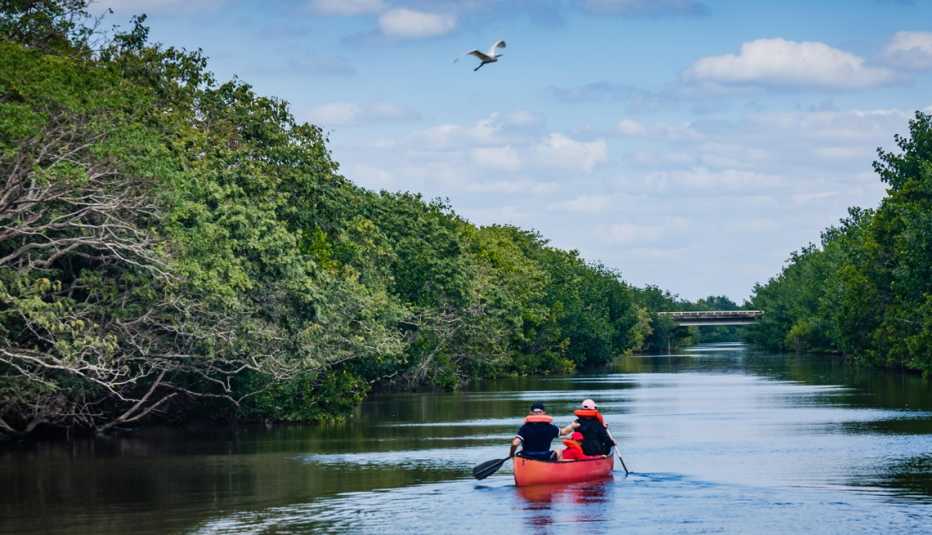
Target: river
(719, 439)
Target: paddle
(618, 451)
(484, 470)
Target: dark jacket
(536, 436)
(595, 437)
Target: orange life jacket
(590, 413)
(538, 418)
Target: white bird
(487, 57)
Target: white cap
(588, 404)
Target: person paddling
(535, 435)
(589, 422)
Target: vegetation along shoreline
(175, 248)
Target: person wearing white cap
(591, 424)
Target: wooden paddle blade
(484, 470)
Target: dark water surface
(719, 439)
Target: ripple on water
(721, 442)
(448, 458)
(642, 503)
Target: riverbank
(176, 248)
(729, 438)
(866, 290)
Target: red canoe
(534, 472)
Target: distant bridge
(713, 317)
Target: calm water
(719, 440)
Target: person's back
(595, 437)
(590, 423)
(536, 434)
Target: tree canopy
(866, 290)
(172, 246)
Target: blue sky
(690, 144)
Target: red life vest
(538, 418)
(573, 451)
(590, 413)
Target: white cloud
(678, 132)
(406, 23)
(778, 62)
(638, 233)
(662, 157)
(870, 125)
(912, 50)
(630, 127)
(630, 233)
(704, 178)
(566, 153)
(371, 177)
(347, 7)
(443, 174)
(513, 186)
(736, 155)
(348, 113)
(391, 112)
(808, 197)
(659, 253)
(335, 113)
(584, 204)
(759, 224)
(523, 119)
(684, 131)
(503, 158)
(485, 131)
(842, 153)
(497, 129)
(496, 215)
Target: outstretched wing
(497, 45)
(481, 55)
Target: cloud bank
(412, 24)
(780, 63)
(911, 50)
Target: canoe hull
(533, 472)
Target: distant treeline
(172, 247)
(866, 290)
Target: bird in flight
(487, 57)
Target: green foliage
(721, 333)
(663, 335)
(306, 397)
(48, 25)
(176, 246)
(865, 291)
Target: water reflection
(720, 439)
(588, 503)
(580, 493)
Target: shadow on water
(909, 477)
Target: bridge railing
(714, 314)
